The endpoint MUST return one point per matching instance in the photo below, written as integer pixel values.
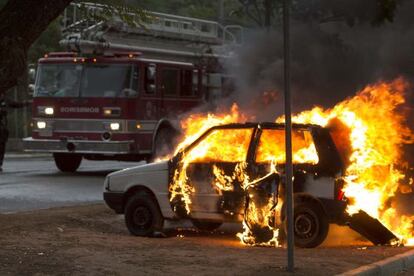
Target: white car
(142, 193)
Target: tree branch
(21, 23)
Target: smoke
(329, 62)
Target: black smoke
(329, 61)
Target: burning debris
(368, 130)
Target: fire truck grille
(98, 126)
(78, 125)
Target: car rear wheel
(142, 215)
(311, 224)
(206, 225)
(67, 162)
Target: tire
(206, 225)
(164, 142)
(67, 162)
(143, 216)
(311, 224)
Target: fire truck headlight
(41, 125)
(46, 110)
(49, 111)
(114, 126)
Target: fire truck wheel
(164, 142)
(206, 225)
(142, 215)
(311, 224)
(67, 162)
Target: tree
(22, 22)
(47, 42)
(269, 12)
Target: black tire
(67, 162)
(164, 142)
(311, 224)
(143, 216)
(206, 225)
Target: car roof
(264, 125)
(268, 125)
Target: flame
(224, 182)
(197, 124)
(194, 126)
(368, 129)
(272, 147)
(377, 130)
(260, 216)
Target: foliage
(269, 12)
(49, 39)
(130, 14)
(204, 9)
(47, 42)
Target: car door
(215, 170)
(270, 152)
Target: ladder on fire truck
(161, 35)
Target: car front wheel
(142, 215)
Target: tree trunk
(268, 13)
(21, 23)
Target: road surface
(29, 183)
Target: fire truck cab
(109, 107)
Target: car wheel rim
(142, 217)
(306, 226)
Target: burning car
(235, 172)
(370, 145)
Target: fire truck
(116, 91)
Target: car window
(272, 147)
(222, 145)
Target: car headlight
(106, 184)
(114, 126)
(41, 125)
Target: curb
(389, 266)
(26, 155)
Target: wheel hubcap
(306, 225)
(142, 217)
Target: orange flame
(368, 129)
(377, 131)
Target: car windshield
(86, 80)
(221, 145)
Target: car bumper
(115, 201)
(79, 146)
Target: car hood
(151, 167)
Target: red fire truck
(109, 107)
(103, 100)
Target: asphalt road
(29, 183)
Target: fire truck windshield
(86, 80)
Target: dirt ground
(92, 240)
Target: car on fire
(214, 191)
(143, 193)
